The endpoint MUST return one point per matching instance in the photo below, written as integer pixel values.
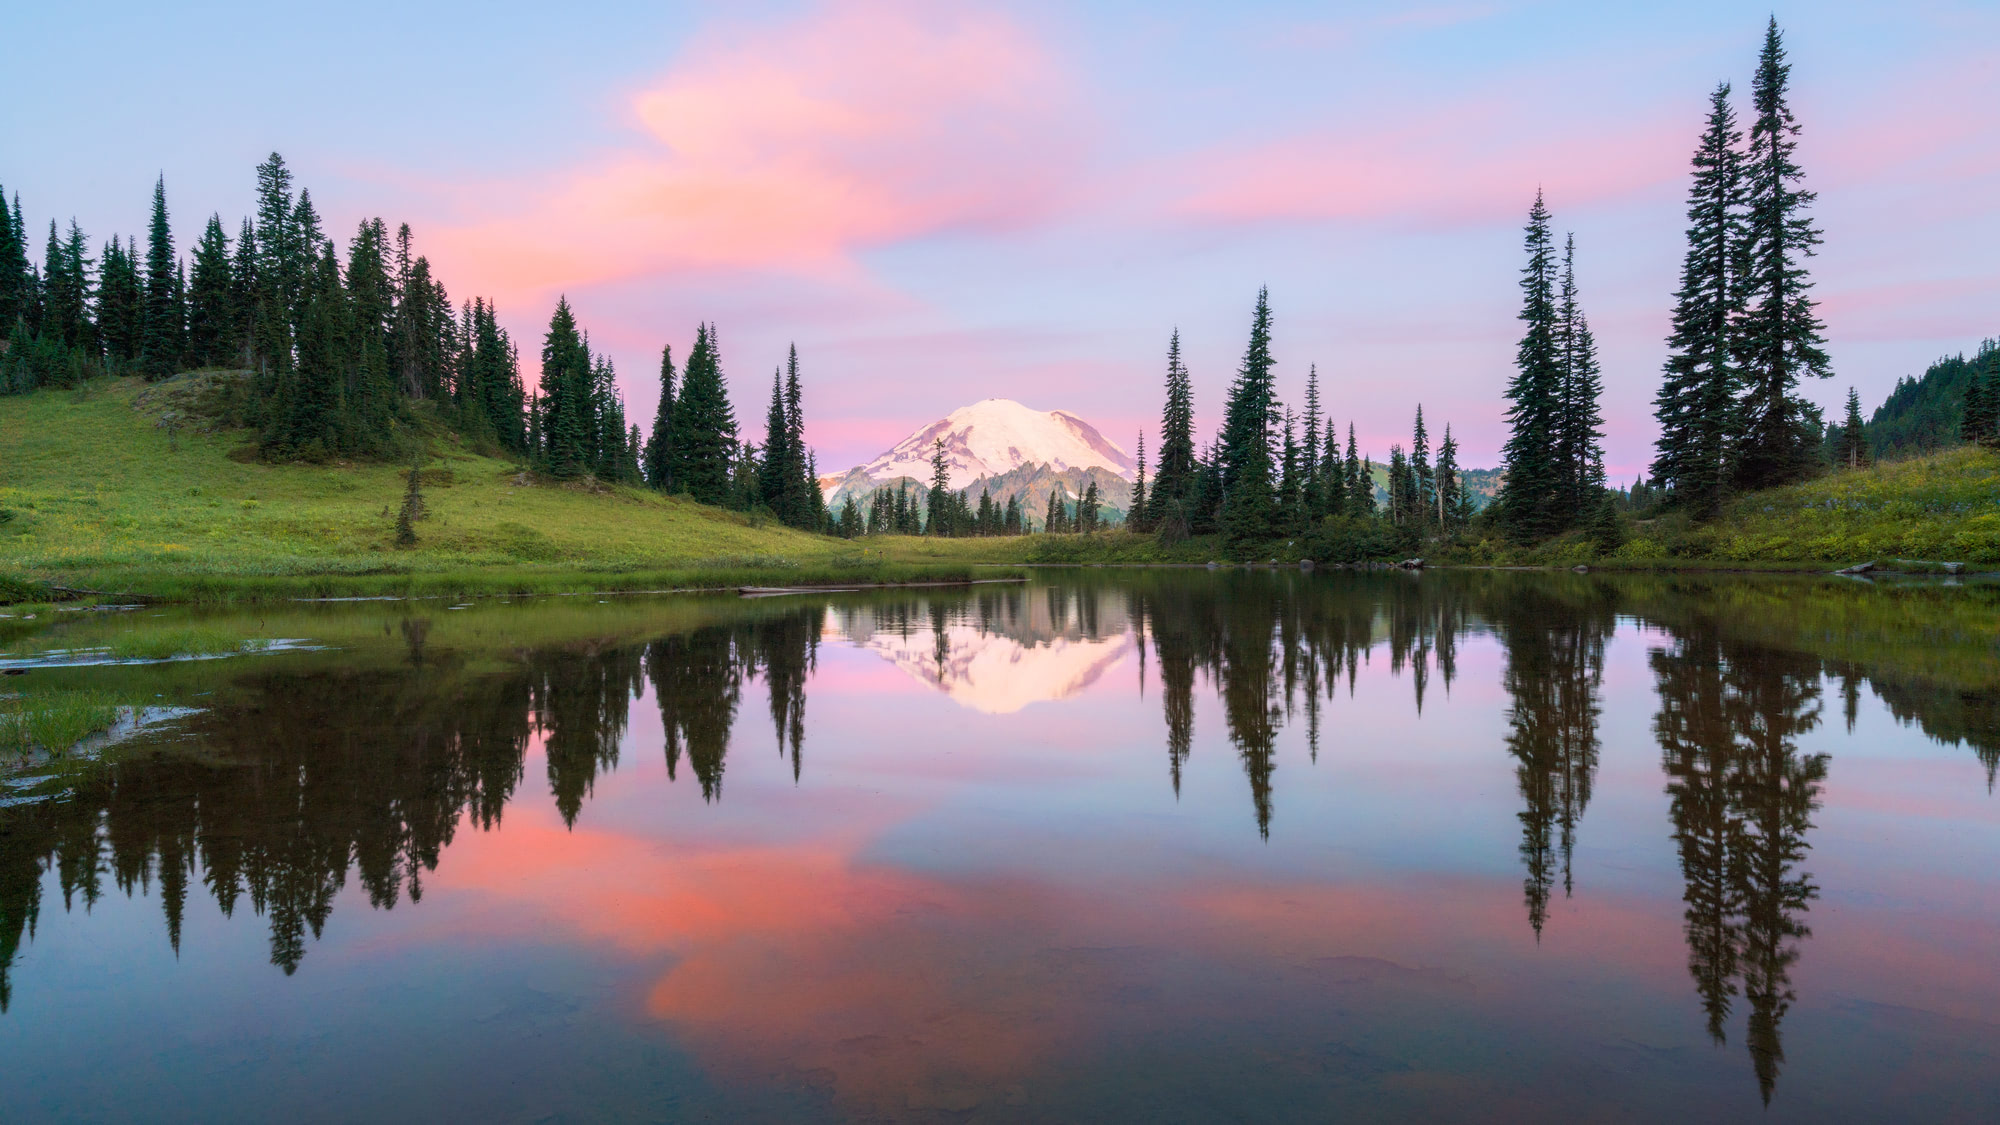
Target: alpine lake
(1146, 845)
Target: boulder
(1857, 568)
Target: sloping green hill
(96, 492)
(1922, 415)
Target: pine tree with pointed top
(937, 514)
(1421, 481)
(1851, 450)
(1136, 519)
(1312, 486)
(1579, 422)
(1447, 483)
(1530, 498)
(1696, 404)
(659, 445)
(160, 340)
(776, 480)
(1360, 480)
(1291, 486)
(704, 425)
(1249, 487)
(211, 307)
(1174, 479)
(804, 507)
(16, 278)
(1782, 339)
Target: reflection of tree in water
(697, 680)
(1555, 664)
(304, 778)
(1742, 802)
(1275, 645)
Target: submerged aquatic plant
(166, 644)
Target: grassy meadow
(99, 493)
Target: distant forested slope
(1922, 414)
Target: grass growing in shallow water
(54, 723)
(165, 644)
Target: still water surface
(1144, 846)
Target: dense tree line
(1272, 474)
(1746, 328)
(358, 355)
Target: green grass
(54, 722)
(105, 499)
(1945, 506)
(165, 644)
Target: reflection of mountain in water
(1000, 654)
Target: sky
(940, 202)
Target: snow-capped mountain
(998, 436)
(991, 440)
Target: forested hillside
(1926, 413)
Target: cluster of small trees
(936, 510)
(1270, 473)
(1746, 328)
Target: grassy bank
(99, 495)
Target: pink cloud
(789, 150)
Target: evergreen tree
(1360, 480)
(66, 293)
(310, 406)
(1696, 405)
(1174, 482)
(1447, 515)
(565, 376)
(937, 517)
(777, 469)
(1136, 518)
(1422, 497)
(211, 302)
(120, 298)
(1086, 508)
(659, 446)
(160, 342)
(1312, 491)
(1852, 448)
(1782, 336)
(243, 296)
(803, 507)
(1249, 499)
(1530, 499)
(1010, 523)
(704, 430)
(370, 390)
(16, 276)
(850, 519)
(1291, 491)
(1057, 520)
(1579, 432)
(283, 268)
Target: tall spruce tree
(1174, 480)
(1579, 425)
(803, 506)
(1136, 519)
(704, 432)
(777, 469)
(1446, 492)
(937, 514)
(1312, 491)
(1249, 490)
(660, 443)
(1530, 498)
(1782, 337)
(1421, 482)
(160, 342)
(16, 276)
(565, 425)
(1851, 451)
(211, 303)
(1696, 405)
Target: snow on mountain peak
(998, 435)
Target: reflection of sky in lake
(998, 904)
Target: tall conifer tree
(160, 344)
(1174, 480)
(1696, 405)
(1249, 490)
(1579, 432)
(704, 433)
(1782, 338)
(1530, 497)
(659, 445)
